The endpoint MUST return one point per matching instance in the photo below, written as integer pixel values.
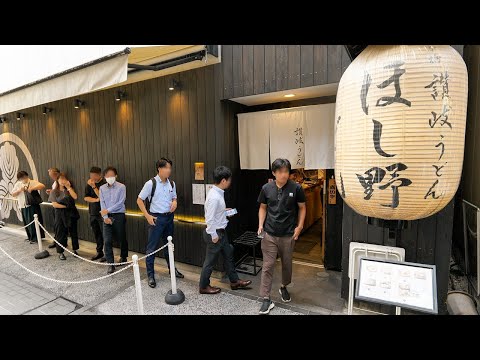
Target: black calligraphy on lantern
(439, 91)
(439, 85)
(395, 79)
(377, 134)
(376, 175)
(299, 142)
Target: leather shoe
(122, 260)
(96, 257)
(52, 245)
(151, 282)
(62, 256)
(240, 284)
(210, 290)
(111, 269)
(103, 259)
(75, 252)
(178, 274)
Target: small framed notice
(199, 171)
(198, 191)
(403, 284)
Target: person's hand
(150, 219)
(173, 207)
(91, 183)
(297, 232)
(68, 185)
(97, 200)
(260, 230)
(48, 191)
(29, 190)
(104, 212)
(228, 209)
(107, 221)
(215, 240)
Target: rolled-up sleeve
(210, 209)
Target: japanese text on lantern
(376, 175)
(439, 91)
(299, 142)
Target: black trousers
(96, 223)
(27, 216)
(213, 250)
(115, 231)
(61, 234)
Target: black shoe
(121, 260)
(52, 245)
(96, 257)
(151, 282)
(111, 269)
(178, 274)
(267, 305)
(75, 252)
(33, 241)
(62, 256)
(285, 295)
(102, 259)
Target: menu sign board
(403, 284)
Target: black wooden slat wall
(190, 124)
(258, 69)
(426, 241)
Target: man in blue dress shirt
(159, 213)
(112, 203)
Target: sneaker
(62, 256)
(267, 305)
(285, 295)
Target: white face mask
(110, 180)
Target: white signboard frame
(407, 285)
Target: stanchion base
(174, 299)
(42, 255)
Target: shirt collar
(111, 186)
(220, 191)
(160, 180)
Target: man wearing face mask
(158, 202)
(112, 204)
(24, 190)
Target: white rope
(95, 262)
(23, 227)
(63, 281)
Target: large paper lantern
(400, 130)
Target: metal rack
(248, 264)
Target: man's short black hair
(95, 170)
(163, 162)
(54, 169)
(108, 169)
(220, 173)
(21, 174)
(281, 163)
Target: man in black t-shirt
(280, 221)
(92, 193)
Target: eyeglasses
(279, 193)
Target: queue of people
(281, 217)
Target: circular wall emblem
(9, 167)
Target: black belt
(160, 214)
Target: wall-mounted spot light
(3, 119)
(46, 110)
(20, 115)
(119, 95)
(78, 103)
(174, 84)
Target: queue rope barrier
(100, 263)
(23, 227)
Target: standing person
(282, 213)
(63, 198)
(53, 173)
(215, 235)
(26, 191)
(92, 192)
(112, 204)
(161, 193)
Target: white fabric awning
(36, 75)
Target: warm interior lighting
(173, 84)
(78, 103)
(289, 95)
(119, 95)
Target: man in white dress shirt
(215, 235)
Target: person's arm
(37, 186)
(302, 211)
(103, 205)
(210, 209)
(262, 211)
(145, 193)
(57, 205)
(173, 207)
(72, 193)
(17, 190)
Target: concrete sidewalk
(24, 293)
